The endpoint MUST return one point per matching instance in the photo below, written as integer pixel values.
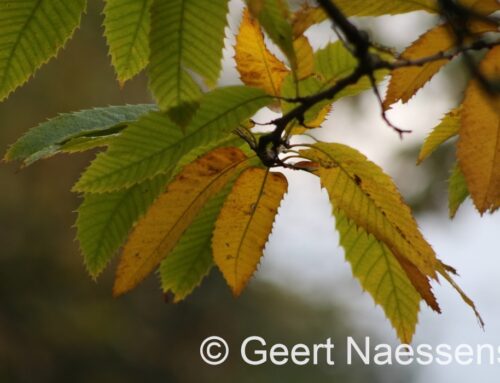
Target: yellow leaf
(305, 57)
(257, 66)
(479, 138)
(157, 233)
(448, 128)
(368, 197)
(244, 224)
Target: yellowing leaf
(368, 197)
(156, 234)
(448, 128)
(256, 64)
(305, 57)
(274, 17)
(307, 15)
(405, 82)
(479, 138)
(244, 224)
(381, 275)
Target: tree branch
(270, 145)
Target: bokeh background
(57, 325)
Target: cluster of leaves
(177, 191)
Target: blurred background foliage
(56, 325)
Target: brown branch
(270, 145)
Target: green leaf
(154, 145)
(104, 220)
(51, 136)
(126, 27)
(307, 87)
(334, 62)
(380, 273)
(187, 36)
(191, 259)
(457, 190)
(448, 128)
(31, 32)
(274, 16)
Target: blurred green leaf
(334, 62)
(457, 190)
(50, 137)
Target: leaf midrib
(247, 226)
(136, 34)
(179, 56)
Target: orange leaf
(406, 82)
(479, 138)
(420, 282)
